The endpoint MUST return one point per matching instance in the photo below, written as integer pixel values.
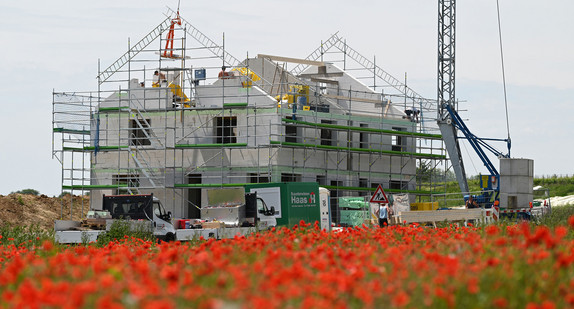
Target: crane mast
(446, 87)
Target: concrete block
(515, 200)
(524, 200)
(513, 166)
(516, 184)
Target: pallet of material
(440, 215)
(98, 221)
(81, 228)
(212, 225)
(94, 223)
(394, 220)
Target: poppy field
(497, 266)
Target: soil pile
(41, 211)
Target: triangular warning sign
(379, 196)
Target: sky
(55, 45)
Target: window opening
(226, 130)
(398, 141)
(397, 185)
(363, 183)
(258, 178)
(290, 132)
(364, 137)
(290, 177)
(327, 135)
(139, 132)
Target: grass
(23, 236)
(33, 236)
(451, 188)
(559, 216)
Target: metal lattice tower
(446, 56)
(446, 86)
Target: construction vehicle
(296, 202)
(143, 211)
(229, 212)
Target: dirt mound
(41, 211)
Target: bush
(122, 229)
(64, 194)
(28, 191)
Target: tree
(427, 172)
(28, 191)
(63, 194)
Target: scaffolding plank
(389, 152)
(210, 145)
(363, 129)
(292, 60)
(70, 131)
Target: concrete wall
(272, 73)
(139, 97)
(257, 125)
(234, 92)
(348, 86)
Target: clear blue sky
(50, 45)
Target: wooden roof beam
(292, 60)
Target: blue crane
(478, 143)
(449, 121)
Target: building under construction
(166, 119)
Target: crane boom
(478, 143)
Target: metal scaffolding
(172, 125)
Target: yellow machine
(295, 92)
(251, 76)
(177, 91)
